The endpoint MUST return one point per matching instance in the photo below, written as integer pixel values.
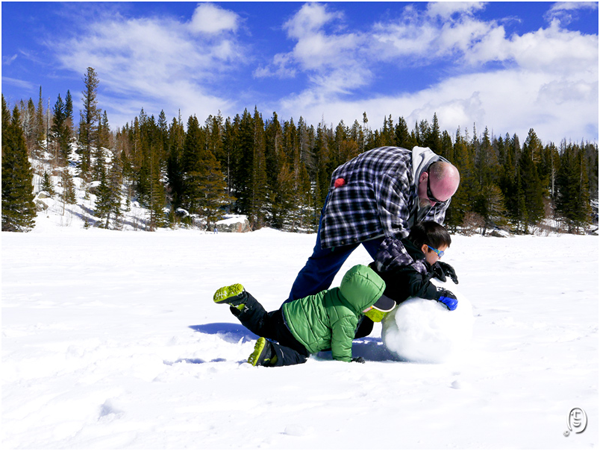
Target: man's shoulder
(388, 152)
(384, 159)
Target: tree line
(277, 172)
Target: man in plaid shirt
(373, 200)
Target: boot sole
(259, 347)
(229, 295)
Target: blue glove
(448, 299)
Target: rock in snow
(234, 223)
(422, 330)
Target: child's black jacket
(411, 280)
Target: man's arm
(393, 194)
(392, 255)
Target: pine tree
(531, 188)
(115, 185)
(510, 179)
(241, 148)
(156, 191)
(40, 127)
(104, 132)
(323, 166)
(591, 163)
(205, 191)
(433, 138)
(387, 135)
(108, 197)
(90, 116)
(259, 184)
(230, 138)
(18, 208)
(28, 120)
(462, 201)
(447, 146)
(366, 132)
(47, 185)
(572, 201)
(174, 163)
(103, 205)
(69, 114)
(489, 201)
(61, 131)
(68, 194)
(99, 164)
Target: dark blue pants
(323, 265)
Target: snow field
(111, 340)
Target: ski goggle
(440, 254)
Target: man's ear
(424, 248)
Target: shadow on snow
(229, 332)
(369, 348)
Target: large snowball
(422, 330)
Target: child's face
(431, 256)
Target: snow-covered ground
(111, 340)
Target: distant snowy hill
(53, 212)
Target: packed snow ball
(422, 330)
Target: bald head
(443, 180)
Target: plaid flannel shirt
(378, 198)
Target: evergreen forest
(276, 171)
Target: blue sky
(510, 66)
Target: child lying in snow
(326, 320)
(425, 244)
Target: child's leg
(271, 325)
(288, 356)
(245, 307)
(268, 353)
(254, 316)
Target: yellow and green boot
(232, 295)
(264, 354)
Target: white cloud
(507, 101)
(552, 49)
(446, 9)
(156, 61)
(547, 79)
(570, 6)
(211, 19)
(566, 12)
(329, 59)
(20, 83)
(7, 60)
(311, 18)
(280, 68)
